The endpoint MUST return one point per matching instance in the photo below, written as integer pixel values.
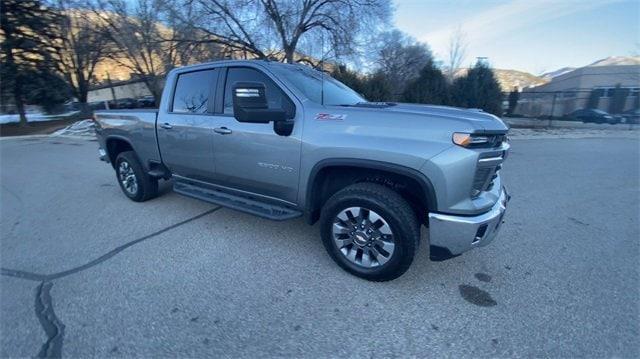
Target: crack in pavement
(49, 277)
(117, 250)
(16, 221)
(52, 326)
(23, 275)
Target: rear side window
(194, 91)
(276, 99)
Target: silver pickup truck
(282, 141)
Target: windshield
(309, 82)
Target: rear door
(251, 156)
(185, 129)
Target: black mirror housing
(250, 104)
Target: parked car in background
(147, 102)
(123, 103)
(587, 115)
(97, 105)
(631, 116)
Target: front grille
(489, 165)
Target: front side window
(193, 90)
(276, 99)
(318, 87)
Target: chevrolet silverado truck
(282, 141)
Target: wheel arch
(116, 145)
(321, 184)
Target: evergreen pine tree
(29, 39)
(430, 87)
(378, 88)
(478, 89)
(349, 78)
(514, 96)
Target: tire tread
(147, 186)
(394, 203)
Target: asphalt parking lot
(86, 272)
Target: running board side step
(267, 210)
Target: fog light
(480, 233)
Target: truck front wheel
(134, 182)
(370, 231)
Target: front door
(250, 156)
(185, 130)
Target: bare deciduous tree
(82, 48)
(457, 52)
(401, 59)
(278, 28)
(149, 40)
(140, 41)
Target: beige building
(573, 90)
(121, 89)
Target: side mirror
(250, 104)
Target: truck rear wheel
(370, 231)
(134, 182)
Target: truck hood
(475, 117)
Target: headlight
(467, 139)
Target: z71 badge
(330, 116)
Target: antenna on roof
(322, 70)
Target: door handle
(222, 130)
(166, 126)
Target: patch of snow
(84, 128)
(35, 117)
(559, 72)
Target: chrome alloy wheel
(363, 237)
(128, 178)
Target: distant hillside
(509, 79)
(550, 75)
(617, 61)
(609, 61)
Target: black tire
(395, 211)
(146, 186)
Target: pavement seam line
(52, 326)
(23, 275)
(104, 257)
(119, 249)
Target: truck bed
(137, 127)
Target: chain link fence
(599, 105)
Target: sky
(536, 36)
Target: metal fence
(564, 104)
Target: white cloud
(500, 20)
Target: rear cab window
(194, 92)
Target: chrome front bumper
(451, 235)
